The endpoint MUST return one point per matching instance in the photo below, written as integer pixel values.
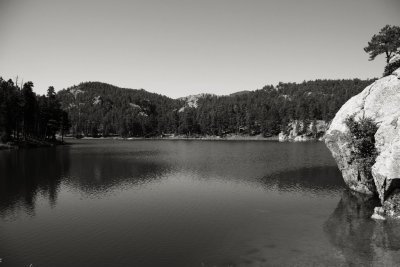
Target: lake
(185, 203)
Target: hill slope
(96, 107)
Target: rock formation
(379, 101)
(299, 131)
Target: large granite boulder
(379, 101)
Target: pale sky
(178, 48)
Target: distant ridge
(240, 93)
(98, 108)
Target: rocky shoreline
(378, 102)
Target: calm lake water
(185, 203)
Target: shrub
(362, 142)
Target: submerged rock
(381, 102)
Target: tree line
(96, 109)
(25, 116)
(99, 109)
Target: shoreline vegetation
(198, 137)
(22, 144)
(30, 143)
(184, 137)
(30, 120)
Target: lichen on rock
(380, 102)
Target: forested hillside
(101, 109)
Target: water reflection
(184, 204)
(27, 173)
(97, 173)
(360, 239)
(313, 180)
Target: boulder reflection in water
(360, 239)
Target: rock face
(381, 102)
(299, 131)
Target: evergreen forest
(100, 109)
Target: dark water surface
(185, 203)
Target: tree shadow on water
(29, 174)
(25, 174)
